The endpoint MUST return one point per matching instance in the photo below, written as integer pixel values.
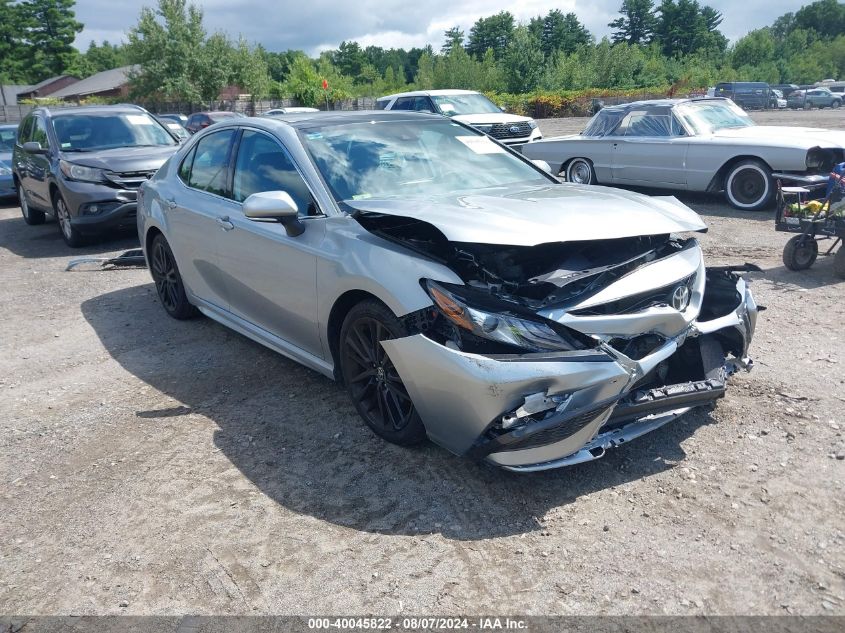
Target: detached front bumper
(541, 411)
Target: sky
(316, 25)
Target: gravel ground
(150, 466)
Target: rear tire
(71, 235)
(374, 385)
(580, 172)
(748, 185)
(30, 216)
(800, 252)
(169, 285)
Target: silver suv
(84, 166)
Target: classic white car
(699, 144)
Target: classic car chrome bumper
(472, 404)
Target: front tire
(748, 185)
(169, 285)
(377, 391)
(30, 216)
(835, 105)
(71, 235)
(580, 171)
(800, 252)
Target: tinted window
(26, 130)
(262, 165)
(39, 133)
(185, 167)
(209, 169)
(403, 103)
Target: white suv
(470, 107)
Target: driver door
(651, 151)
(271, 277)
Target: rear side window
(381, 104)
(210, 165)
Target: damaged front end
(548, 355)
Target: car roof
(306, 120)
(94, 109)
(429, 93)
(668, 103)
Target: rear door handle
(224, 223)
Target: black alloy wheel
(373, 383)
(168, 281)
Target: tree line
(671, 42)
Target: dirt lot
(150, 466)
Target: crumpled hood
(539, 214)
(490, 117)
(803, 137)
(123, 159)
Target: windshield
(93, 132)
(706, 117)
(471, 103)
(391, 159)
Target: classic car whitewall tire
(580, 171)
(748, 185)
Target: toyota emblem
(514, 129)
(680, 298)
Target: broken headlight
(500, 326)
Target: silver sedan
(456, 289)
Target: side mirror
(274, 206)
(34, 147)
(542, 165)
(503, 108)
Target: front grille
(638, 302)
(560, 432)
(510, 130)
(130, 179)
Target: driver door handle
(224, 223)
(171, 203)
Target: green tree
(50, 28)
(13, 50)
(825, 17)
(250, 71)
(494, 32)
(561, 32)
(523, 62)
(454, 38)
(636, 24)
(177, 62)
(755, 49)
(349, 58)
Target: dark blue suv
(84, 166)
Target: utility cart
(816, 223)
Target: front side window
(39, 132)
(396, 159)
(92, 132)
(25, 132)
(185, 167)
(262, 165)
(210, 166)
